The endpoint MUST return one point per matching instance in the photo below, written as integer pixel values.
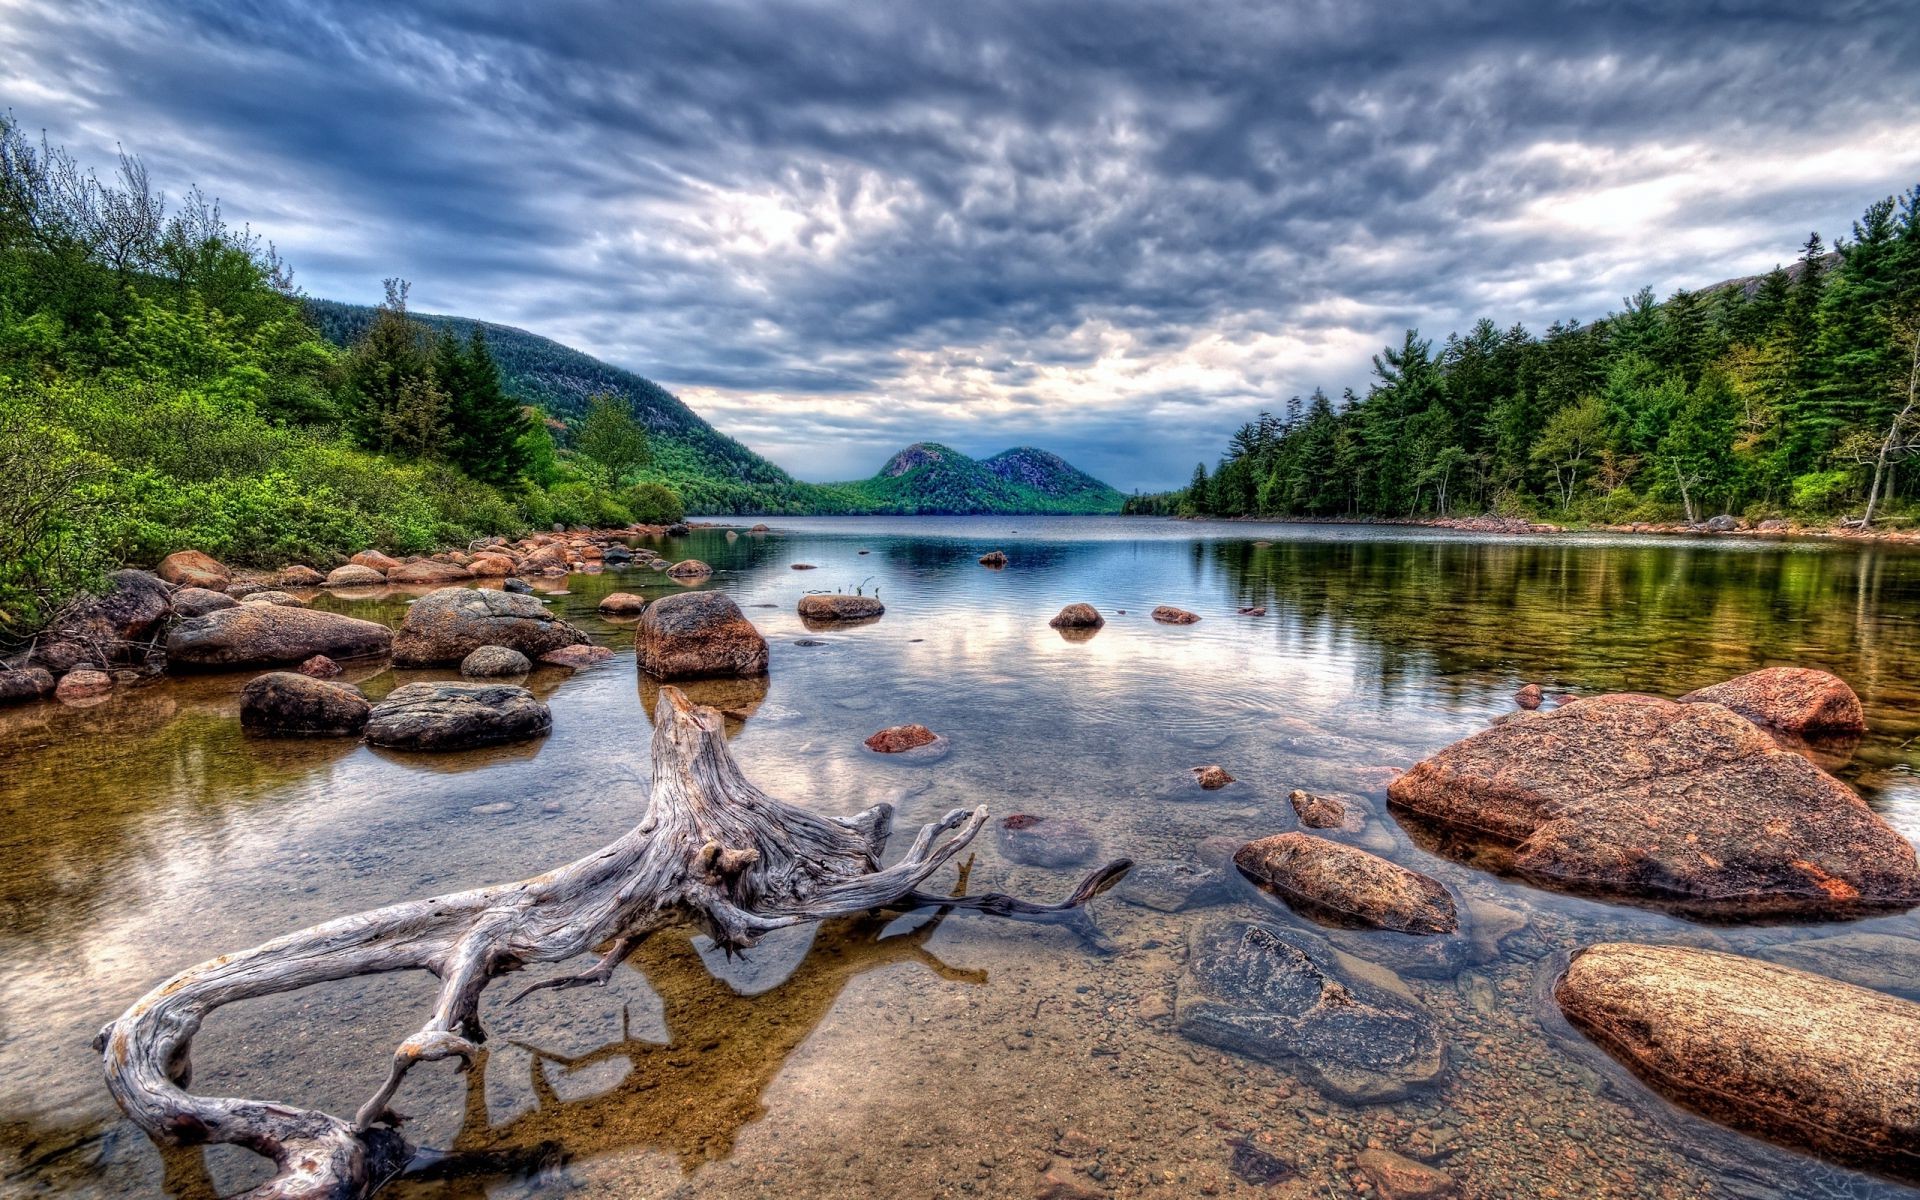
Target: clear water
(954, 1057)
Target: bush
(1821, 492)
(655, 504)
(583, 503)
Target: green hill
(716, 475)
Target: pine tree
(390, 394)
(489, 426)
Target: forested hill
(927, 477)
(1793, 394)
(712, 472)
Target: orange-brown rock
(1805, 1060)
(1078, 616)
(698, 633)
(298, 576)
(1318, 811)
(576, 657)
(190, 568)
(427, 571)
(838, 606)
(490, 566)
(1349, 882)
(352, 575)
(1167, 614)
(1528, 697)
(373, 560)
(1212, 777)
(689, 568)
(266, 635)
(83, 683)
(550, 554)
(319, 667)
(900, 738)
(1689, 804)
(622, 604)
(1396, 1177)
(1791, 699)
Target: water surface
(926, 1057)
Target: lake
(931, 1056)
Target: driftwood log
(712, 851)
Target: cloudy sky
(1113, 229)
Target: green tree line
(162, 386)
(1794, 394)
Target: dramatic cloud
(1112, 229)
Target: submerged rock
(83, 683)
(453, 716)
(1281, 996)
(836, 606)
(1212, 777)
(190, 568)
(447, 625)
(1350, 883)
(1167, 614)
(1045, 841)
(1319, 811)
(289, 704)
(489, 661)
(1691, 805)
(1170, 885)
(1806, 1061)
(1884, 962)
(698, 633)
(319, 667)
(268, 635)
(1791, 699)
(576, 657)
(517, 587)
(1078, 616)
(1396, 1177)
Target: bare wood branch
(711, 850)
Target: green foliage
(1746, 397)
(655, 504)
(611, 439)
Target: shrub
(655, 504)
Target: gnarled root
(712, 849)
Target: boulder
(445, 626)
(1690, 805)
(268, 635)
(1396, 1177)
(355, 575)
(1806, 1061)
(822, 607)
(622, 604)
(428, 571)
(994, 558)
(1283, 996)
(1317, 811)
(488, 661)
(83, 683)
(272, 596)
(19, 684)
(1167, 614)
(576, 657)
(190, 568)
(290, 704)
(1721, 524)
(1078, 616)
(490, 566)
(373, 560)
(453, 716)
(1528, 697)
(319, 667)
(901, 738)
(1348, 882)
(121, 621)
(1045, 841)
(1212, 777)
(298, 576)
(689, 568)
(553, 554)
(1796, 700)
(698, 633)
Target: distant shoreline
(1771, 530)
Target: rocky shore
(1718, 526)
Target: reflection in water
(689, 1096)
(146, 833)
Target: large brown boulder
(1349, 882)
(553, 554)
(122, 620)
(355, 575)
(1284, 996)
(689, 568)
(1791, 699)
(428, 571)
(827, 607)
(1688, 804)
(698, 633)
(269, 635)
(190, 568)
(454, 716)
(490, 566)
(447, 625)
(289, 704)
(1799, 1058)
(298, 576)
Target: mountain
(928, 477)
(716, 475)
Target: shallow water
(928, 1057)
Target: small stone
(190, 568)
(576, 657)
(492, 810)
(1212, 777)
(300, 577)
(1167, 614)
(271, 596)
(1528, 697)
(1324, 812)
(900, 738)
(489, 661)
(623, 604)
(804, 567)
(822, 607)
(1350, 882)
(18, 684)
(83, 683)
(689, 568)
(355, 575)
(319, 667)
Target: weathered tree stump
(712, 851)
